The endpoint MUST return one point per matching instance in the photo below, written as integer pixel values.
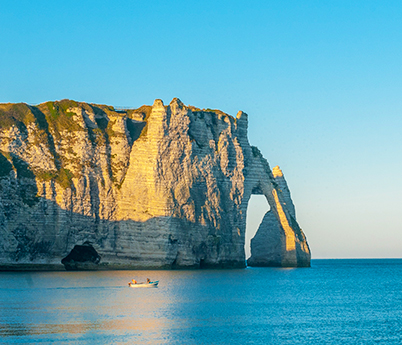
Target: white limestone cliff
(154, 187)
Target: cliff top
(59, 114)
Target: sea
(333, 302)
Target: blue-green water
(333, 302)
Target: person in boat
(134, 281)
(148, 280)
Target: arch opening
(256, 209)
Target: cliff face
(154, 187)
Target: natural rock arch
(279, 241)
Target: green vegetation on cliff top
(18, 114)
(58, 116)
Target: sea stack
(161, 186)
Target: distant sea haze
(333, 302)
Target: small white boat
(144, 285)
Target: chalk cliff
(154, 187)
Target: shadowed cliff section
(154, 187)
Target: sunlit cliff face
(277, 172)
(154, 187)
(289, 233)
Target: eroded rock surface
(154, 187)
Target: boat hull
(144, 285)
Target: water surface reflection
(333, 302)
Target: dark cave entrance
(256, 209)
(81, 257)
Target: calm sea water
(333, 302)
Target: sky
(320, 80)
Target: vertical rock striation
(154, 187)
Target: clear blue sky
(320, 80)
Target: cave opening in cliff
(81, 257)
(256, 209)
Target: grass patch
(64, 178)
(58, 117)
(18, 114)
(46, 175)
